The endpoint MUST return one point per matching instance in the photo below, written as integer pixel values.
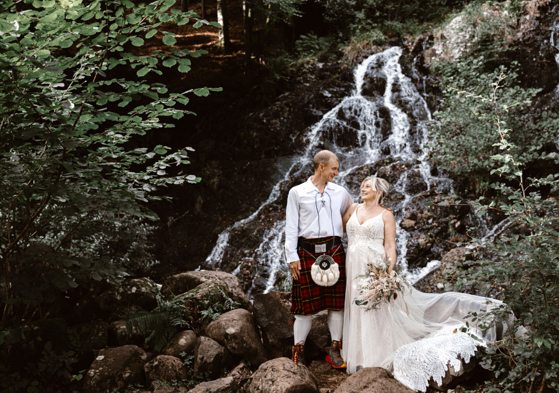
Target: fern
(187, 311)
(161, 324)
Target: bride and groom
(318, 212)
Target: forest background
(90, 89)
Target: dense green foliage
(486, 132)
(188, 311)
(463, 139)
(72, 182)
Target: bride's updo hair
(380, 186)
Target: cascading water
(385, 120)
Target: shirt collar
(309, 186)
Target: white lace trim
(416, 363)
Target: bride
(418, 334)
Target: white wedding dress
(414, 346)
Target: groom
(314, 227)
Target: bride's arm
(348, 214)
(390, 238)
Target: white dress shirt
(311, 214)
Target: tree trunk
(203, 10)
(248, 24)
(185, 4)
(223, 20)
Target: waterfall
(383, 119)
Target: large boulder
(271, 312)
(453, 258)
(372, 380)
(226, 384)
(231, 383)
(237, 332)
(182, 342)
(130, 294)
(318, 340)
(164, 368)
(281, 375)
(115, 368)
(185, 282)
(210, 358)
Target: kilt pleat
(308, 298)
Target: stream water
(385, 118)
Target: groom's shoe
(298, 353)
(334, 357)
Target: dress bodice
(367, 239)
(371, 231)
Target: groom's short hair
(322, 157)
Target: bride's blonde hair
(380, 186)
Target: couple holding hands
(318, 212)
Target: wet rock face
(282, 375)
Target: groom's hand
(295, 267)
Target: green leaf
(215, 24)
(202, 92)
(143, 71)
(198, 24)
(42, 53)
(151, 33)
(184, 68)
(137, 41)
(169, 40)
(169, 62)
(160, 150)
(66, 43)
(5, 26)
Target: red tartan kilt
(307, 298)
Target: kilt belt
(307, 298)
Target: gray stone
(271, 312)
(165, 368)
(114, 369)
(185, 282)
(222, 385)
(182, 342)
(241, 373)
(210, 358)
(281, 375)
(372, 380)
(237, 332)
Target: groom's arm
(292, 233)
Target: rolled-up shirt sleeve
(292, 226)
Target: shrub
(74, 100)
(463, 137)
(523, 263)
